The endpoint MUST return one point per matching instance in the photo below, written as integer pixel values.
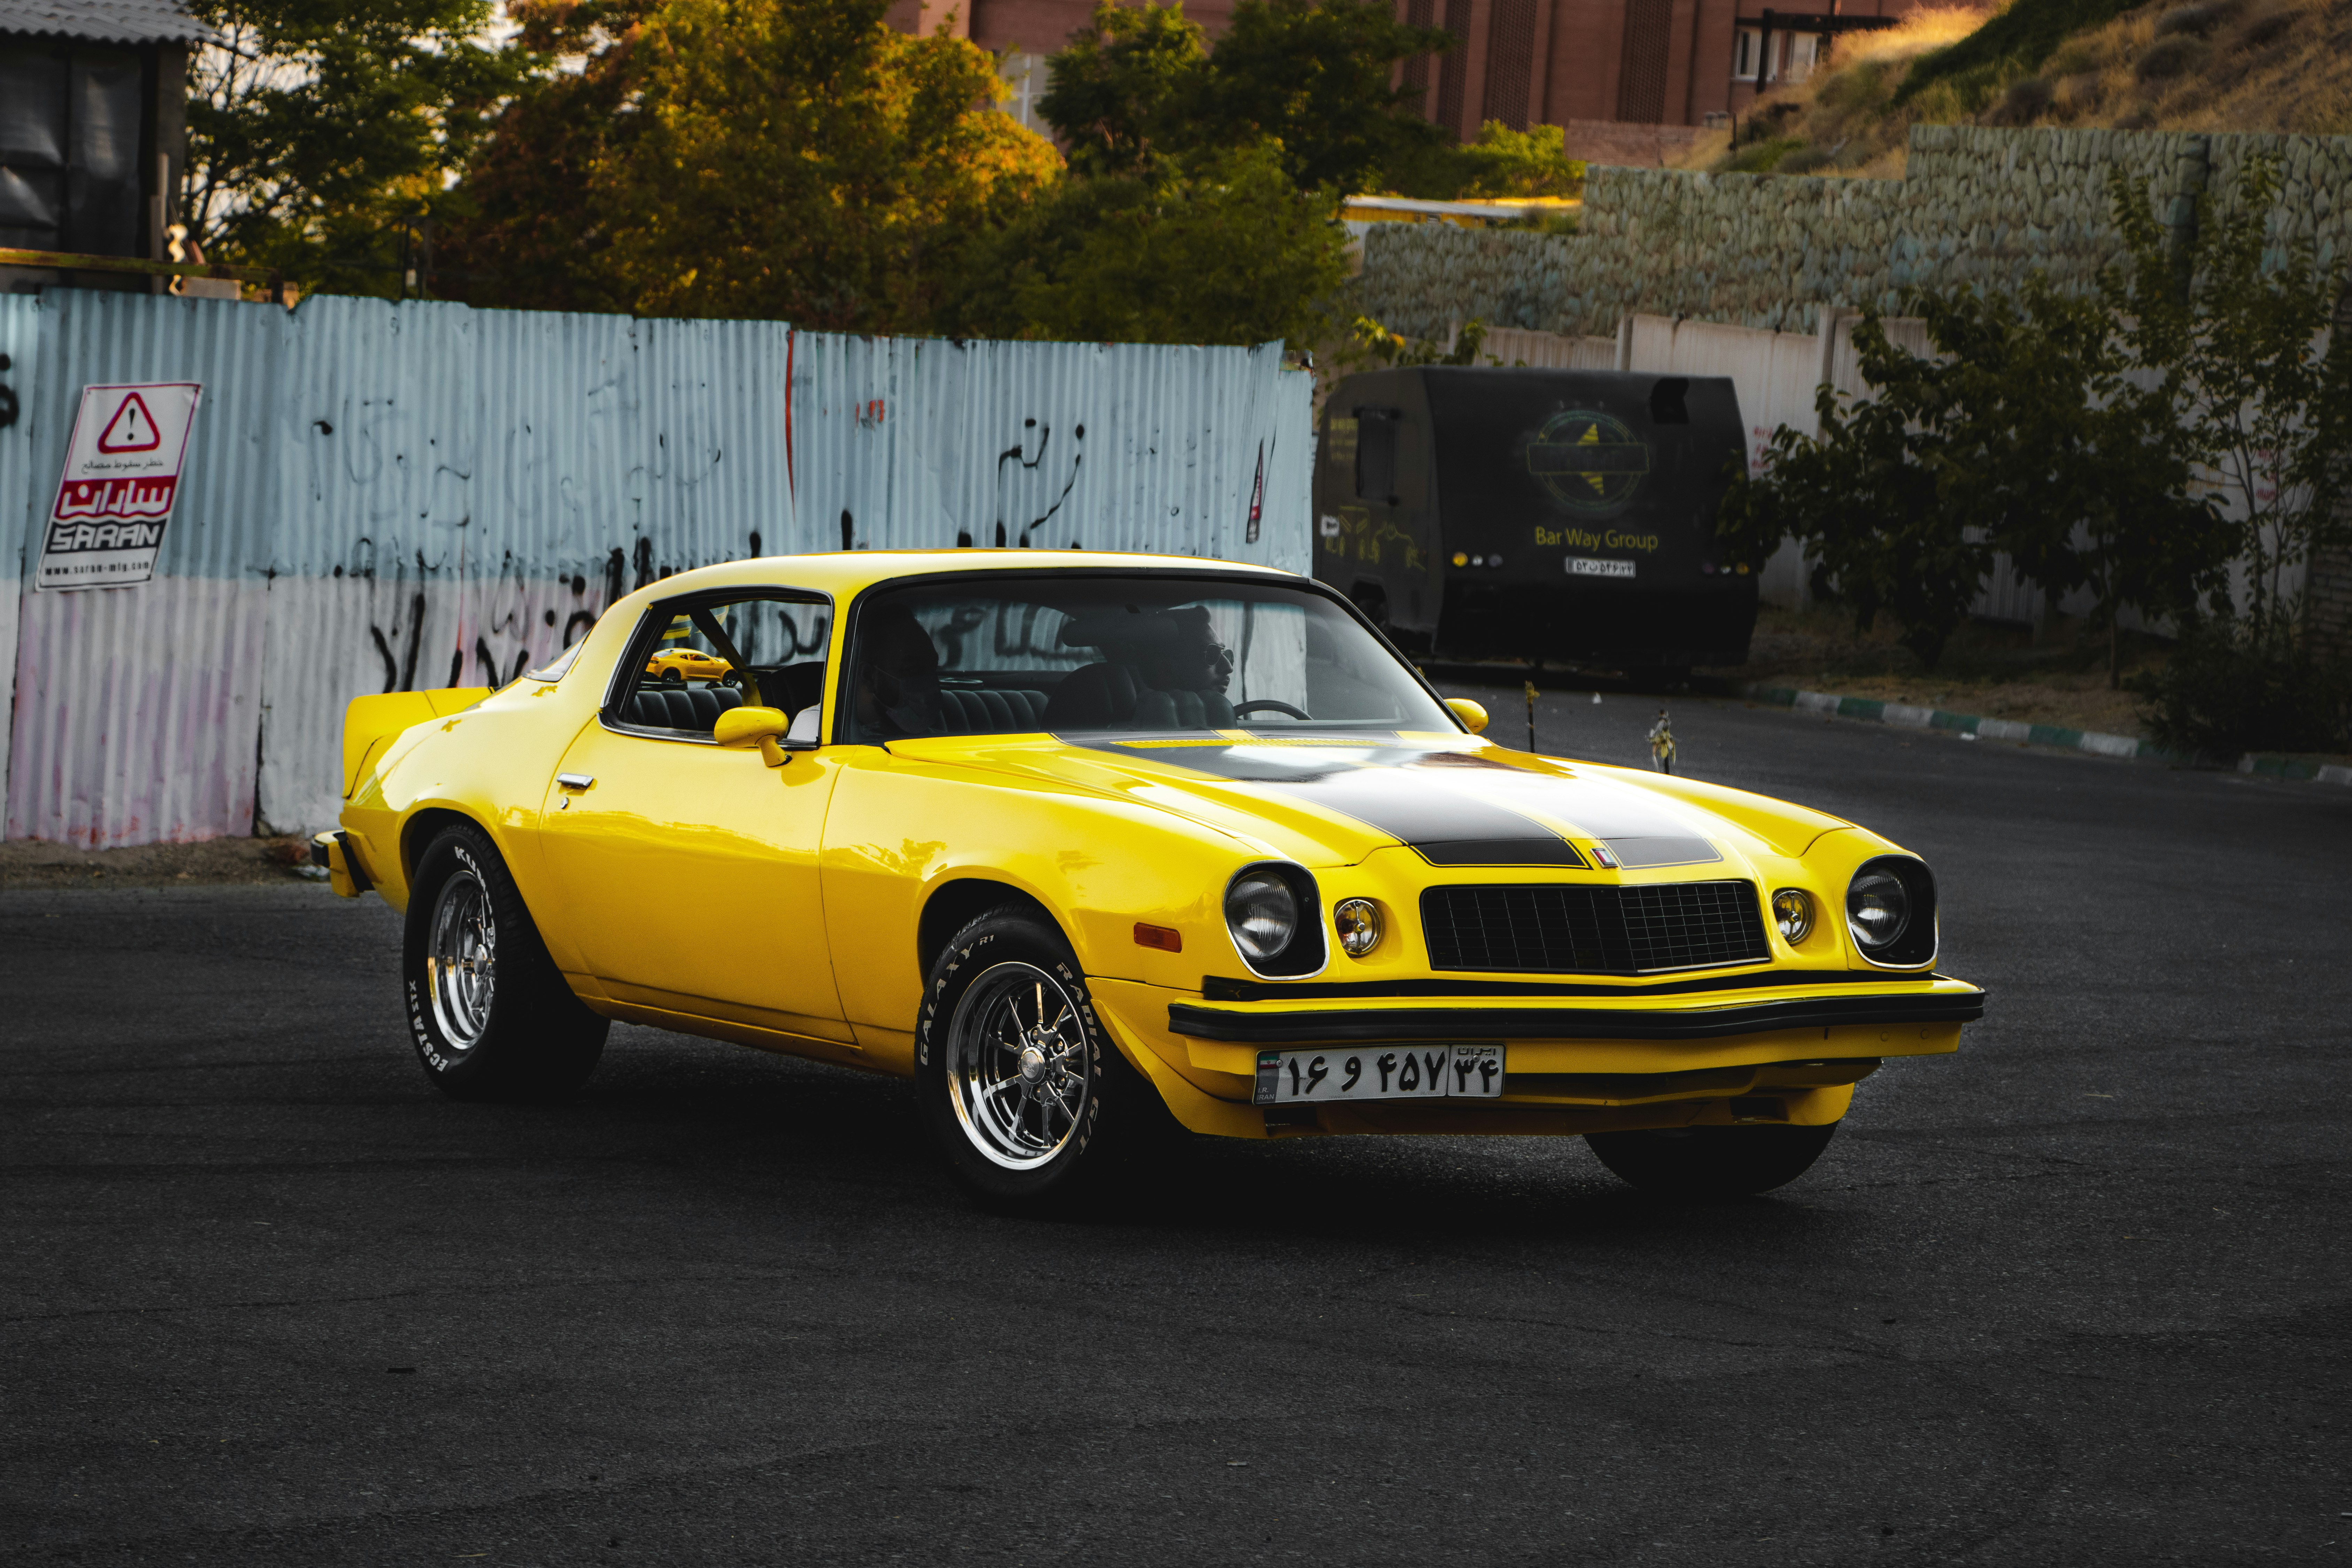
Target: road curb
(1870, 709)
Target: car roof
(843, 573)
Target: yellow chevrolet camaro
(1088, 845)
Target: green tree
(2246, 335)
(2239, 327)
(2023, 435)
(1861, 498)
(1230, 253)
(532, 237)
(1139, 88)
(1314, 76)
(1119, 95)
(794, 159)
(1502, 161)
(313, 128)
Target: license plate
(1588, 566)
(1379, 1072)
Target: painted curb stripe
(1873, 710)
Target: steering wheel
(1243, 710)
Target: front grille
(1556, 929)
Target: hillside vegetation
(2219, 64)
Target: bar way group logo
(122, 477)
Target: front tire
(1711, 1162)
(1031, 1104)
(488, 1012)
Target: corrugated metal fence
(380, 497)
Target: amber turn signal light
(1167, 939)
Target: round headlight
(1262, 914)
(1358, 921)
(1793, 911)
(1878, 909)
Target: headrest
(891, 639)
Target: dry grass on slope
(2224, 65)
(2219, 64)
(1842, 118)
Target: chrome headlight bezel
(1302, 951)
(1913, 943)
(1359, 924)
(1793, 914)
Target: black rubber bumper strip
(1287, 1029)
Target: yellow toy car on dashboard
(677, 665)
(1085, 843)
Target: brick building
(1588, 64)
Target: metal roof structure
(106, 21)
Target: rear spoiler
(371, 723)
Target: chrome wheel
(1017, 1066)
(461, 959)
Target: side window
(1376, 453)
(695, 658)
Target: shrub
(2024, 100)
(2225, 692)
(2170, 56)
(2197, 19)
(2270, 25)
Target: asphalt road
(2078, 1294)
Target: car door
(688, 871)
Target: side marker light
(1167, 939)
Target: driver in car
(1189, 657)
(897, 690)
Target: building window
(1743, 55)
(1024, 76)
(1799, 55)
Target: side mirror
(743, 728)
(1472, 714)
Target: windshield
(994, 653)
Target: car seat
(1112, 696)
(964, 712)
(694, 709)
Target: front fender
(902, 832)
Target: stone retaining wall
(1976, 204)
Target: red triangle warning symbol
(132, 428)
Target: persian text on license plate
(1379, 1072)
(1590, 566)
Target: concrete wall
(1977, 204)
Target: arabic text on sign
(148, 496)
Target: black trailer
(1556, 514)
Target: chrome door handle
(575, 781)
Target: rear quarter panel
(491, 764)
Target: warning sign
(122, 477)
(132, 428)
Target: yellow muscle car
(1090, 847)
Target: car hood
(1457, 800)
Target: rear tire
(488, 1012)
(1711, 1162)
(1027, 1097)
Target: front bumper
(1692, 1053)
(1271, 1025)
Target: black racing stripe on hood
(1445, 826)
